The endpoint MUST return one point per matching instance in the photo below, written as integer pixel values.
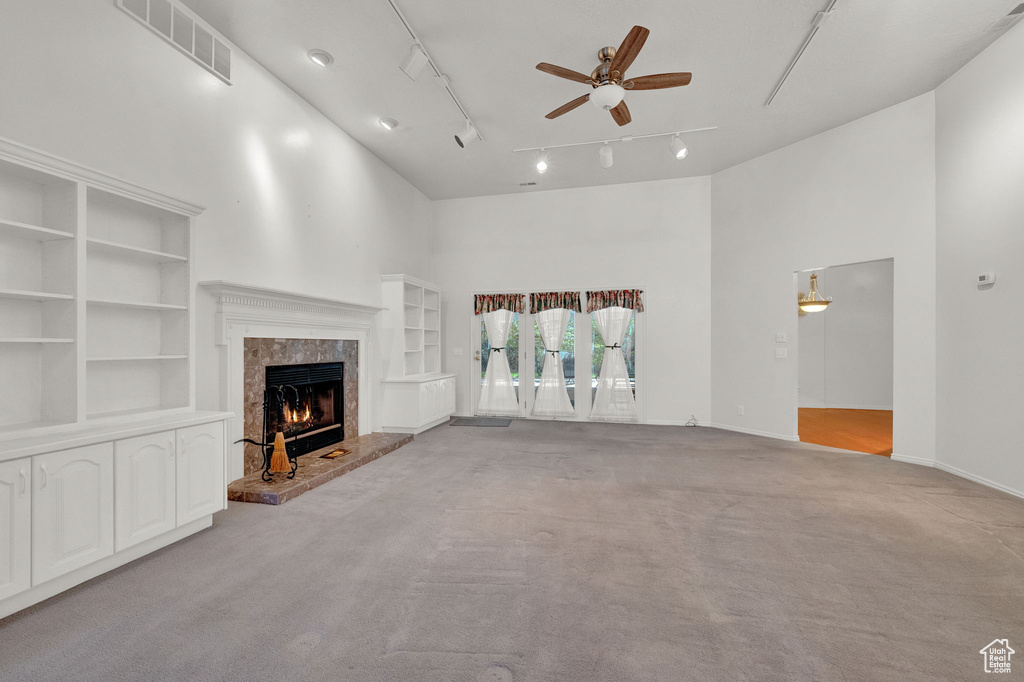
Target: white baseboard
(670, 422)
(754, 432)
(64, 582)
(957, 471)
(910, 459)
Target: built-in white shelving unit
(96, 302)
(416, 394)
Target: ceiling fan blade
(562, 72)
(621, 113)
(629, 49)
(568, 106)
(660, 80)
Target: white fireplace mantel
(246, 311)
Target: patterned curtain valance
(487, 303)
(622, 298)
(569, 300)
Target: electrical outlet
(780, 337)
(739, 410)
(781, 353)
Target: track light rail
(624, 138)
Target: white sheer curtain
(552, 397)
(614, 399)
(498, 394)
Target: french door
(581, 355)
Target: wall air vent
(183, 29)
(1009, 20)
(527, 184)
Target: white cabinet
(430, 405)
(72, 509)
(415, 404)
(144, 498)
(447, 396)
(15, 527)
(200, 473)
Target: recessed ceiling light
(320, 57)
(387, 123)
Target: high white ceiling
(870, 55)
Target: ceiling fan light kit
(609, 78)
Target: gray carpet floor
(563, 552)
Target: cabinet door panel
(15, 527)
(448, 404)
(200, 471)
(429, 405)
(72, 510)
(143, 488)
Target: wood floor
(859, 430)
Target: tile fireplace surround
(259, 353)
(247, 316)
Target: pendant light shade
(813, 302)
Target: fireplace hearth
(305, 402)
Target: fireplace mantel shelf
(250, 296)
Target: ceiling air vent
(180, 27)
(1009, 20)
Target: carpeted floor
(565, 552)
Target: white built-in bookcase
(96, 296)
(414, 315)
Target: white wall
(980, 175)
(863, 191)
(653, 235)
(845, 352)
(292, 202)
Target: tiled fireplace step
(314, 471)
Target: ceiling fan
(609, 78)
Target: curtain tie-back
(614, 346)
(497, 350)
(556, 353)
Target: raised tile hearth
(314, 471)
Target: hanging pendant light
(813, 302)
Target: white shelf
(34, 295)
(132, 304)
(116, 249)
(136, 358)
(16, 339)
(26, 231)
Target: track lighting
(414, 63)
(387, 123)
(467, 137)
(679, 147)
(542, 162)
(607, 159)
(320, 57)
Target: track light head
(468, 136)
(606, 154)
(414, 62)
(679, 148)
(542, 163)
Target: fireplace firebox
(306, 403)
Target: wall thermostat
(986, 278)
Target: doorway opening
(845, 359)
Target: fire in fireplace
(306, 404)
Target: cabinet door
(200, 471)
(144, 479)
(429, 405)
(15, 527)
(448, 393)
(72, 509)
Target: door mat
(480, 421)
